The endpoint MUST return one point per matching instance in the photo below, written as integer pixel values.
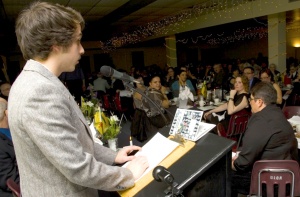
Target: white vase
(113, 144)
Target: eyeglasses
(250, 99)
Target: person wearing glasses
(268, 136)
(249, 73)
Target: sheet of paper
(204, 128)
(158, 148)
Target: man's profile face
(254, 102)
(71, 56)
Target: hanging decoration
(171, 25)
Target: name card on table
(188, 124)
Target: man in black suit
(249, 73)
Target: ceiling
(108, 18)
(104, 18)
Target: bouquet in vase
(108, 127)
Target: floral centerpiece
(87, 109)
(108, 128)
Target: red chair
(105, 102)
(14, 187)
(119, 108)
(290, 111)
(236, 128)
(275, 178)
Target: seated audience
(101, 84)
(293, 93)
(170, 77)
(276, 73)
(293, 72)
(231, 79)
(267, 76)
(219, 76)
(156, 92)
(168, 81)
(249, 73)
(140, 123)
(182, 83)
(4, 90)
(125, 95)
(8, 162)
(238, 100)
(146, 113)
(268, 136)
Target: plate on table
(220, 103)
(206, 108)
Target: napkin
(185, 94)
(220, 117)
(294, 120)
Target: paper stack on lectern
(158, 148)
(188, 124)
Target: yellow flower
(107, 127)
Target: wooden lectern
(201, 169)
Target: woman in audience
(182, 83)
(231, 79)
(170, 77)
(168, 81)
(238, 101)
(267, 76)
(148, 114)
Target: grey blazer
(53, 144)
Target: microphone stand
(128, 85)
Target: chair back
(105, 102)
(238, 123)
(117, 100)
(14, 187)
(295, 100)
(290, 111)
(275, 178)
(236, 128)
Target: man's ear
(260, 103)
(6, 112)
(56, 48)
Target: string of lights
(171, 25)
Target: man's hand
(138, 166)
(122, 155)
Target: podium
(205, 170)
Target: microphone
(107, 71)
(160, 173)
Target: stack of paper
(158, 148)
